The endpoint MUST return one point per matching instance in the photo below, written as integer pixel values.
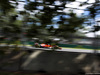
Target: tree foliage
(8, 19)
(94, 10)
(47, 11)
(38, 17)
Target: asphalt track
(66, 60)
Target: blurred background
(70, 25)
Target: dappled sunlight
(93, 67)
(80, 58)
(31, 57)
(51, 62)
(87, 68)
(18, 56)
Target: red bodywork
(45, 45)
(49, 46)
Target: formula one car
(43, 45)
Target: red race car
(43, 45)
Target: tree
(38, 18)
(93, 13)
(69, 25)
(47, 10)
